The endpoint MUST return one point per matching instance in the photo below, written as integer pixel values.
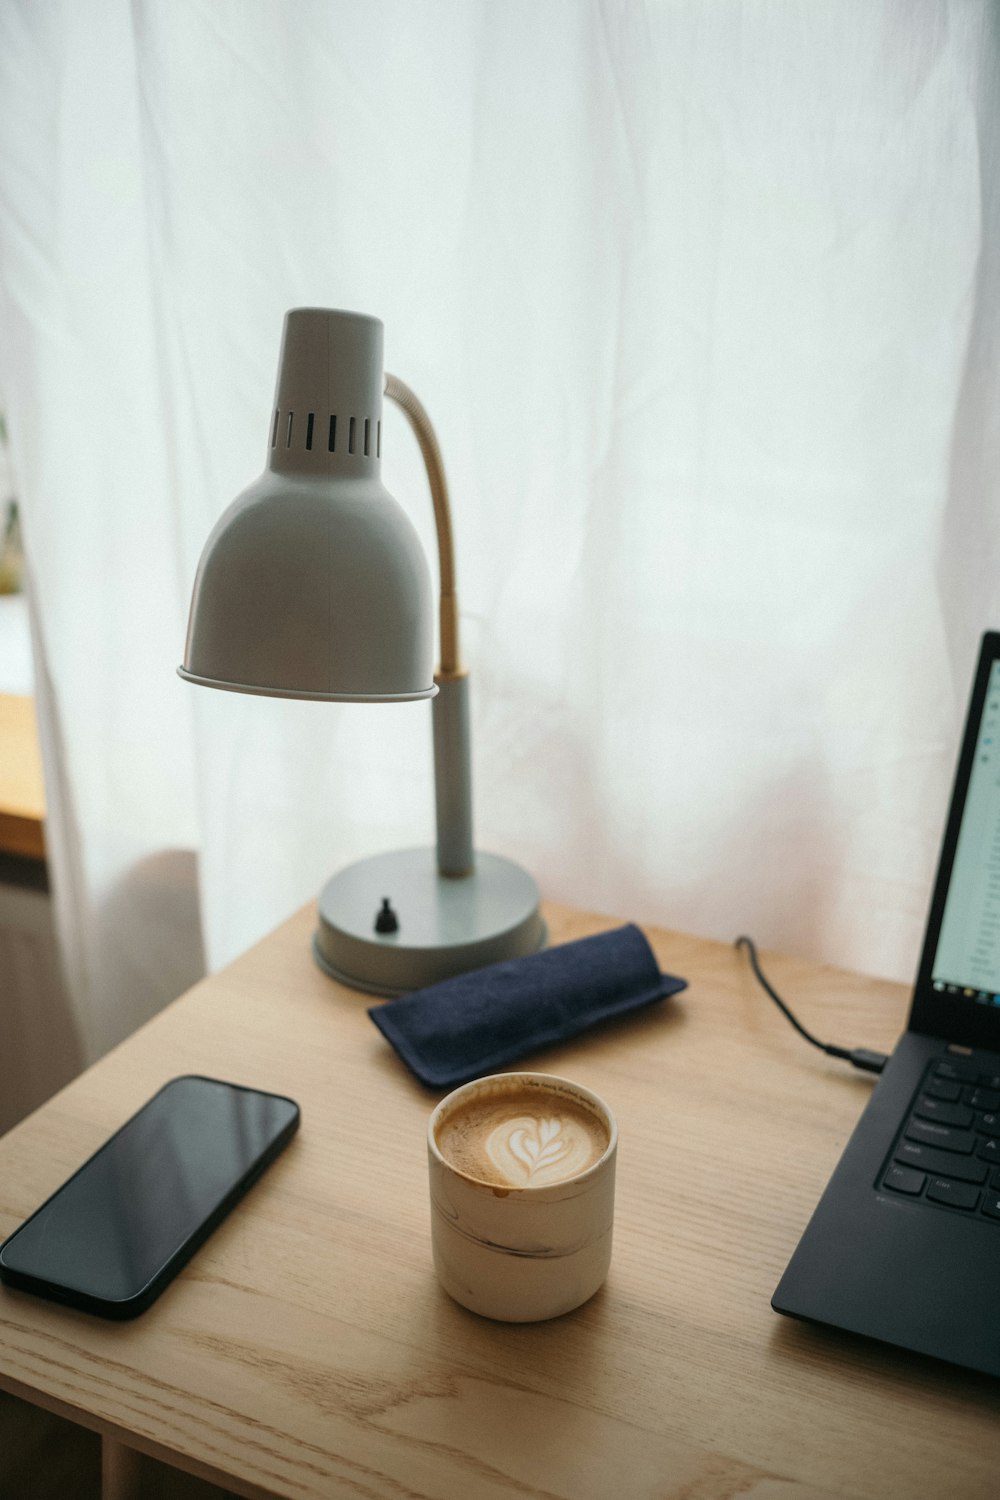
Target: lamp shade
(314, 584)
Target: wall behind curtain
(702, 301)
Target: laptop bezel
(956, 1018)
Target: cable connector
(867, 1060)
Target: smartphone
(118, 1231)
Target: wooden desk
(22, 794)
(308, 1351)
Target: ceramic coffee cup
(522, 1184)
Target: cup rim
(601, 1107)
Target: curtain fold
(702, 301)
(81, 388)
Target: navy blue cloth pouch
(480, 1022)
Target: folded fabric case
(480, 1022)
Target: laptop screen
(966, 959)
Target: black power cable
(859, 1057)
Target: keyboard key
(988, 1124)
(943, 1113)
(966, 1072)
(955, 1194)
(941, 1163)
(989, 1150)
(995, 1179)
(943, 1137)
(940, 1088)
(991, 1206)
(990, 1081)
(983, 1098)
(904, 1180)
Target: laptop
(904, 1245)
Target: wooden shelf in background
(22, 790)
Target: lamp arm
(450, 707)
(413, 410)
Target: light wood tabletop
(22, 793)
(307, 1349)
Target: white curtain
(702, 298)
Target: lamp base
(446, 925)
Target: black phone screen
(115, 1233)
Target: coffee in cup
(522, 1172)
(522, 1136)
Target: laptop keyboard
(948, 1152)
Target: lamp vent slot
(369, 443)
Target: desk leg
(119, 1470)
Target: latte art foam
(529, 1152)
(527, 1138)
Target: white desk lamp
(313, 584)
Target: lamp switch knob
(386, 920)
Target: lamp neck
(450, 709)
(411, 407)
